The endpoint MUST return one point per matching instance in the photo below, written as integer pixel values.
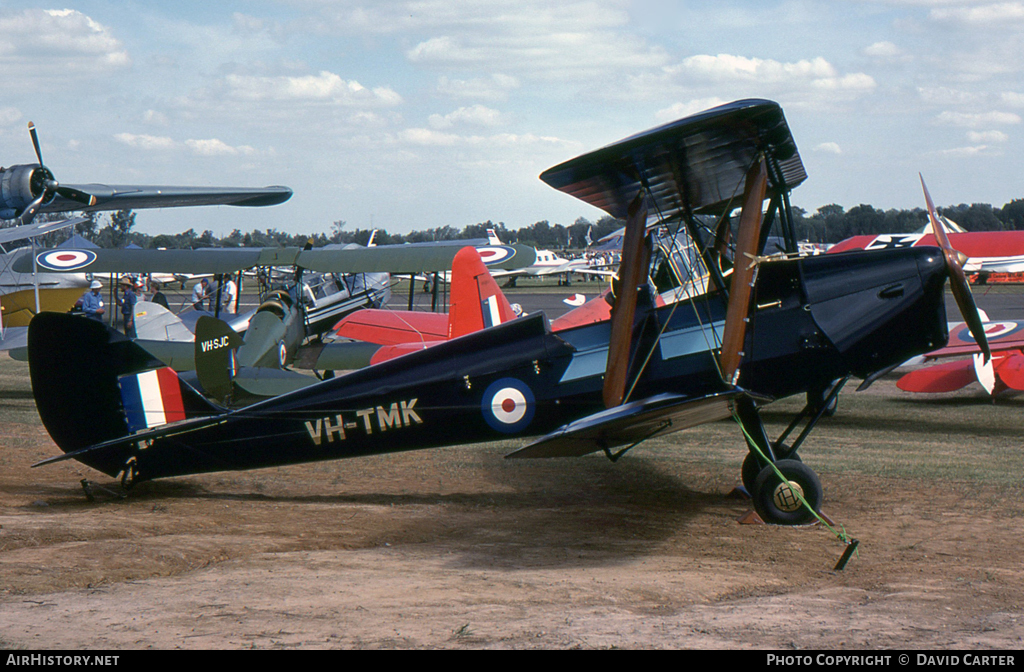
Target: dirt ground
(459, 548)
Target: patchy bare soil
(459, 548)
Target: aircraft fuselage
(813, 320)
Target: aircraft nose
(932, 267)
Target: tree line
(828, 224)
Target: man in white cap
(92, 301)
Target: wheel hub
(785, 496)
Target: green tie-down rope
(841, 535)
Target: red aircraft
(1004, 372)
(986, 251)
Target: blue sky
(410, 115)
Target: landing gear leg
(774, 498)
(753, 430)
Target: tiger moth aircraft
(27, 190)
(761, 329)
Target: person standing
(158, 296)
(200, 292)
(229, 295)
(92, 302)
(128, 301)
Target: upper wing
(124, 197)
(697, 164)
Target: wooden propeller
(957, 279)
(747, 238)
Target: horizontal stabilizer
(335, 356)
(261, 381)
(632, 423)
(947, 377)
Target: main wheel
(751, 467)
(775, 501)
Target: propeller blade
(985, 372)
(957, 279)
(35, 141)
(631, 271)
(52, 185)
(747, 238)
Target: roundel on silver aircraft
(65, 260)
(508, 405)
(492, 254)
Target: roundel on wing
(492, 254)
(65, 260)
(508, 405)
(992, 330)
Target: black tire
(770, 496)
(752, 467)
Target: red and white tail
(477, 301)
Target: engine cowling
(20, 185)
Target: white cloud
(155, 117)
(150, 142)
(477, 115)
(987, 136)
(974, 120)
(945, 95)
(813, 81)
(1013, 98)
(325, 86)
(883, 50)
(496, 87)
(62, 43)
(829, 148)
(680, 110)
(963, 152)
(987, 13)
(209, 147)
(434, 138)
(215, 147)
(566, 40)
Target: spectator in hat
(92, 302)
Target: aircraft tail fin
(477, 301)
(214, 355)
(492, 238)
(93, 385)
